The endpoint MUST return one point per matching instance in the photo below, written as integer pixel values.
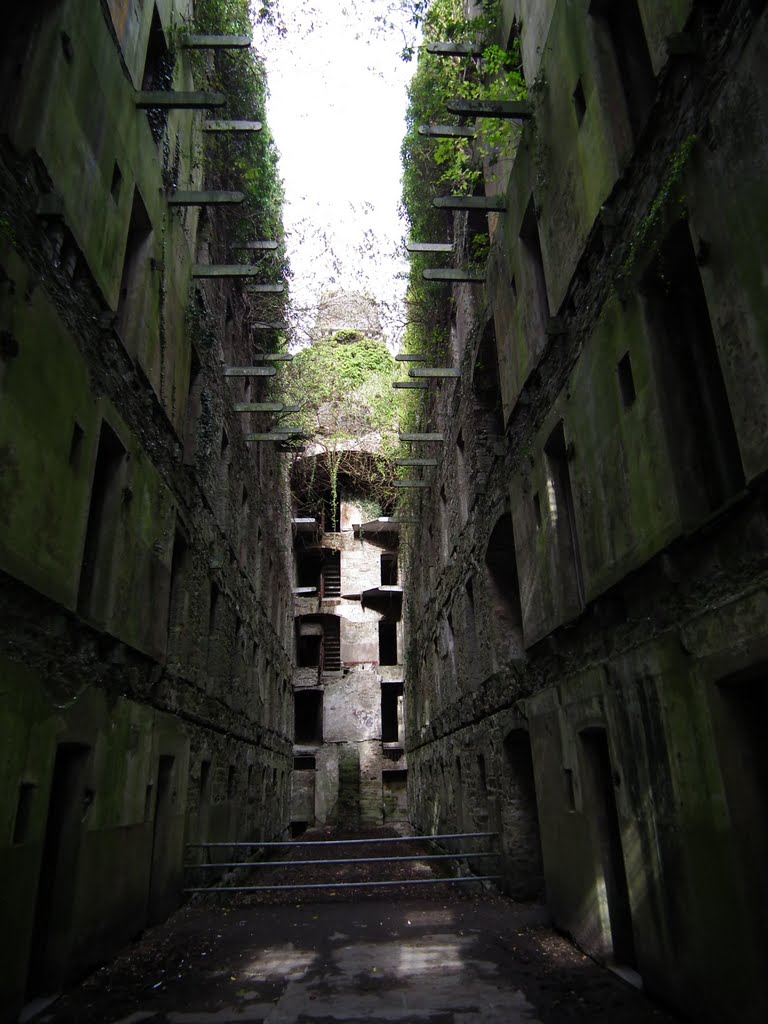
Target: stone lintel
(410, 385)
(166, 99)
(422, 437)
(264, 288)
(258, 407)
(516, 110)
(249, 371)
(455, 49)
(202, 42)
(416, 462)
(429, 247)
(412, 484)
(256, 245)
(224, 270)
(447, 131)
(407, 357)
(492, 204)
(180, 198)
(435, 371)
(459, 276)
(237, 127)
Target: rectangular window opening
(388, 643)
(626, 382)
(308, 716)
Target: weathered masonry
(586, 606)
(349, 764)
(145, 550)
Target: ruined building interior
(560, 635)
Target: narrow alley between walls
(383, 625)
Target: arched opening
(504, 593)
(521, 840)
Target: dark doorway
(562, 509)
(610, 870)
(504, 592)
(520, 819)
(622, 26)
(388, 643)
(57, 886)
(162, 895)
(391, 705)
(696, 408)
(103, 514)
(308, 716)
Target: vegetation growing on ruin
(343, 386)
(432, 166)
(242, 162)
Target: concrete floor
(473, 961)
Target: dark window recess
(304, 764)
(309, 565)
(693, 389)
(537, 286)
(308, 716)
(486, 387)
(564, 513)
(117, 182)
(76, 446)
(102, 521)
(23, 818)
(504, 590)
(390, 725)
(158, 74)
(387, 643)
(133, 283)
(179, 566)
(389, 570)
(389, 775)
(298, 828)
(626, 382)
(623, 26)
(579, 102)
(537, 510)
(308, 650)
(193, 410)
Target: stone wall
(145, 548)
(585, 608)
(348, 786)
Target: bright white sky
(337, 109)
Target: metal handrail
(349, 842)
(347, 885)
(352, 860)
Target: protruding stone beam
(259, 407)
(198, 42)
(225, 270)
(299, 591)
(512, 110)
(455, 49)
(416, 462)
(457, 276)
(421, 437)
(260, 246)
(236, 127)
(272, 357)
(167, 100)
(429, 247)
(249, 371)
(273, 435)
(407, 357)
(436, 371)
(204, 198)
(411, 385)
(262, 325)
(412, 484)
(491, 204)
(264, 288)
(446, 131)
